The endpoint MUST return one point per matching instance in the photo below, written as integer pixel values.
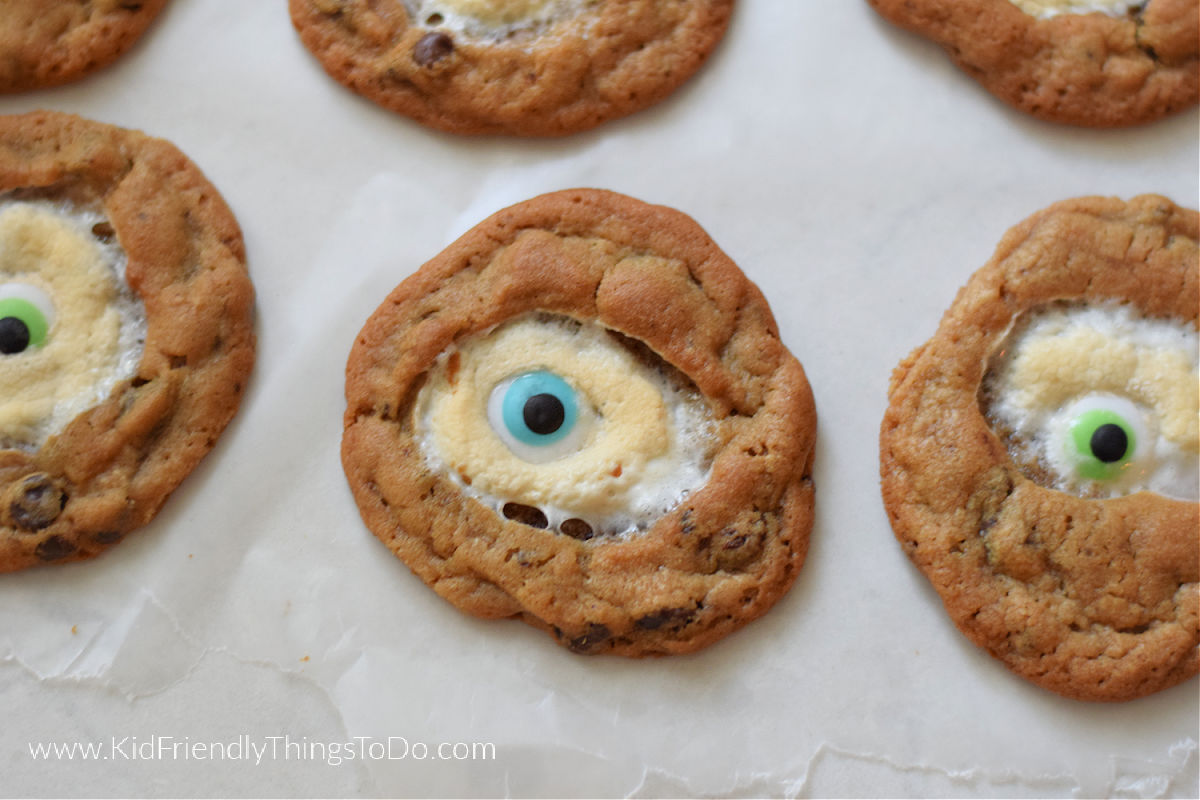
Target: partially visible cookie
(49, 42)
(1040, 454)
(126, 331)
(1098, 63)
(529, 68)
(580, 414)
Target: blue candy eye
(539, 416)
(539, 408)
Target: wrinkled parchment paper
(257, 640)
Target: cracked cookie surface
(1092, 69)
(79, 487)
(651, 281)
(479, 67)
(1091, 598)
(50, 42)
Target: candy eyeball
(1105, 436)
(26, 316)
(537, 415)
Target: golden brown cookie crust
(719, 559)
(113, 466)
(1093, 599)
(609, 60)
(1083, 69)
(50, 42)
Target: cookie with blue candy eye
(1040, 458)
(580, 414)
(126, 331)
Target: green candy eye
(26, 315)
(1103, 442)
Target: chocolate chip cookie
(529, 68)
(49, 42)
(126, 331)
(580, 414)
(1098, 63)
(1039, 455)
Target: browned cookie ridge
(529, 68)
(50, 42)
(107, 194)
(1090, 594)
(1092, 69)
(643, 281)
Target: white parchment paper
(255, 634)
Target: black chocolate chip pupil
(14, 335)
(1109, 443)
(544, 414)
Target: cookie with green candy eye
(1097, 63)
(50, 42)
(1040, 455)
(521, 67)
(126, 331)
(580, 414)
